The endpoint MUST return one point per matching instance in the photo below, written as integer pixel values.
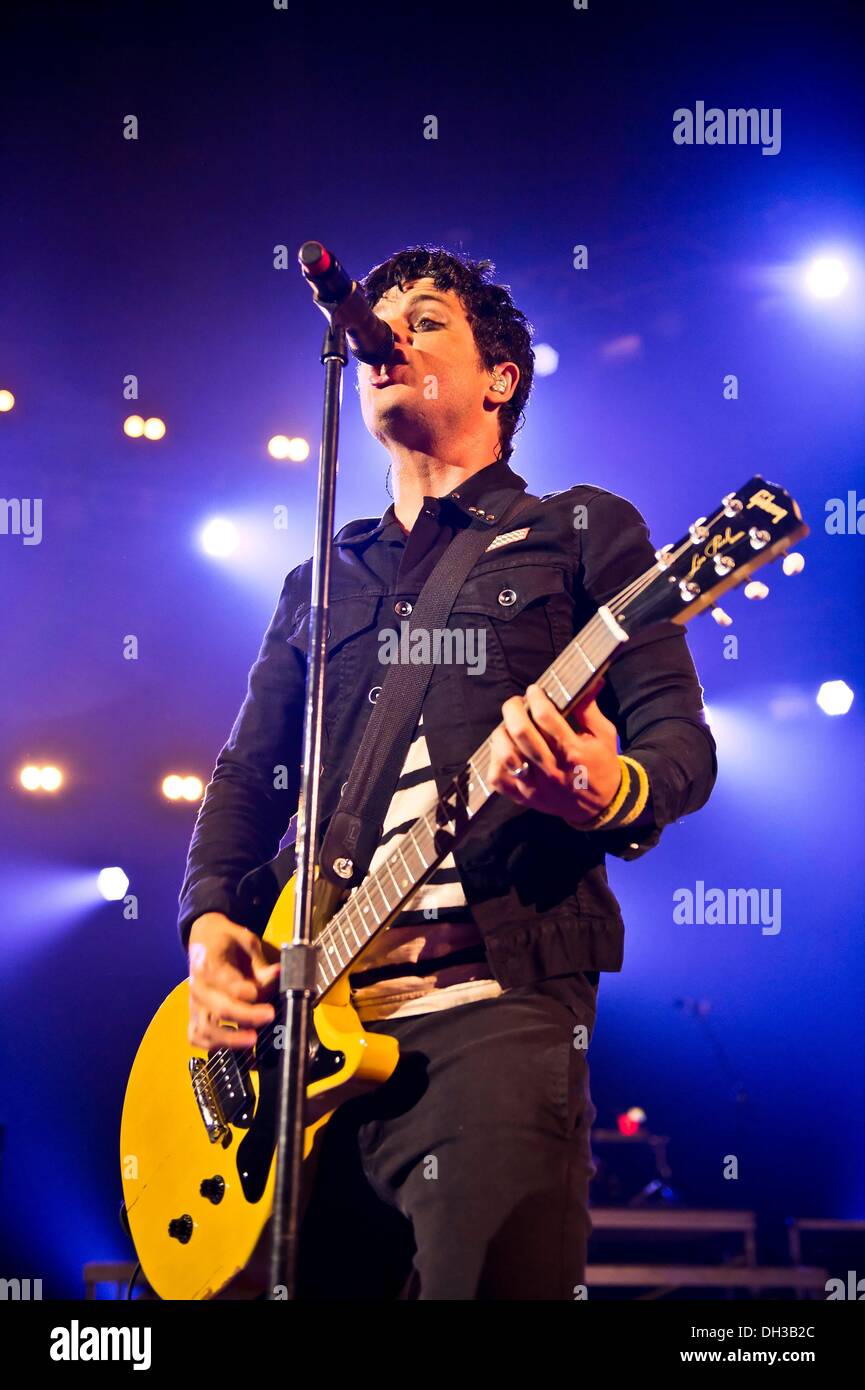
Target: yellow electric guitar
(197, 1141)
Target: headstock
(748, 530)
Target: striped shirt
(432, 956)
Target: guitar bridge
(222, 1093)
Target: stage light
(40, 779)
(192, 788)
(7, 400)
(631, 1122)
(219, 537)
(172, 787)
(112, 884)
(176, 787)
(277, 447)
(826, 277)
(133, 425)
(546, 359)
(834, 697)
(298, 449)
(281, 447)
(154, 428)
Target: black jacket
(537, 888)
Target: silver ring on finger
(521, 771)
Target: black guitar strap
(355, 829)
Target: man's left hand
(570, 773)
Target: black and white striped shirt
(432, 957)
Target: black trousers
(465, 1176)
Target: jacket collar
(482, 497)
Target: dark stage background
(155, 256)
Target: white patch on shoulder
(508, 537)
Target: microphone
(344, 304)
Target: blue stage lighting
(834, 697)
(112, 884)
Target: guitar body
(194, 1244)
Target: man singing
(466, 1175)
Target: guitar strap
(355, 829)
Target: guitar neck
(383, 894)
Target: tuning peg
(663, 556)
(756, 589)
(721, 618)
(794, 563)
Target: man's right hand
(229, 978)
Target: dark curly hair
(501, 332)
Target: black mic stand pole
(298, 958)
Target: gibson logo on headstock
(765, 500)
(713, 547)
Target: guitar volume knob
(180, 1228)
(213, 1189)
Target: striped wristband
(629, 800)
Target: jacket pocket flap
(347, 618)
(505, 592)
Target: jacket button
(507, 597)
(374, 694)
(402, 607)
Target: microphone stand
(298, 958)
